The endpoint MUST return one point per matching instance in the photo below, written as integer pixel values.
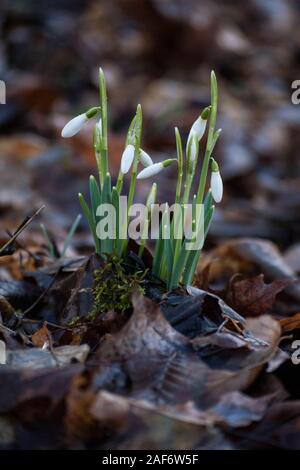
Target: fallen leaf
(23, 385)
(252, 297)
(81, 299)
(199, 313)
(40, 337)
(151, 360)
(291, 323)
(250, 256)
(33, 359)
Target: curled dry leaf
(251, 256)
(40, 337)
(245, 353)
(252, 297)
(200, 313)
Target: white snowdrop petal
(74, 126)
(216, 185)
(146, 160)
(127, 159)
(199, 127)
(193, 151)
(150, 171)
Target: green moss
(113, 287)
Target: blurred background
(158, 53)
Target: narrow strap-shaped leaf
(50, 245)
(88, 215)
(71, 234)
(157, 253)
(179, 266)
(107, 243)
(169, 259)
(95, 197)
(115, 202)
(195, 255)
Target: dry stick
(22, 247)
(8, 330)
(48, 323)
(22, 227)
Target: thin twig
(20, 229)
(8, 330)
(54, 325)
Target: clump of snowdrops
(173, 261)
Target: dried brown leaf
(253, 297)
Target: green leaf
(71, 234)
(50, 245)
(106, 244)
(88, 215)
(115, 202)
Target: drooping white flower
(76, 124)
(216, 183)
(127, 159)
(146, 160)
(154, 169)
(199, 126)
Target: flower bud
(216, 183)
(76, 124)
(154, 169)
(127, 159)
(199, 126)
(146, 160)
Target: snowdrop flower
(76, 124)
(146, 160)
(154, 169)
(216, 183)
(127, 159)
(199, 126)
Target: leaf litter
(184, 361)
